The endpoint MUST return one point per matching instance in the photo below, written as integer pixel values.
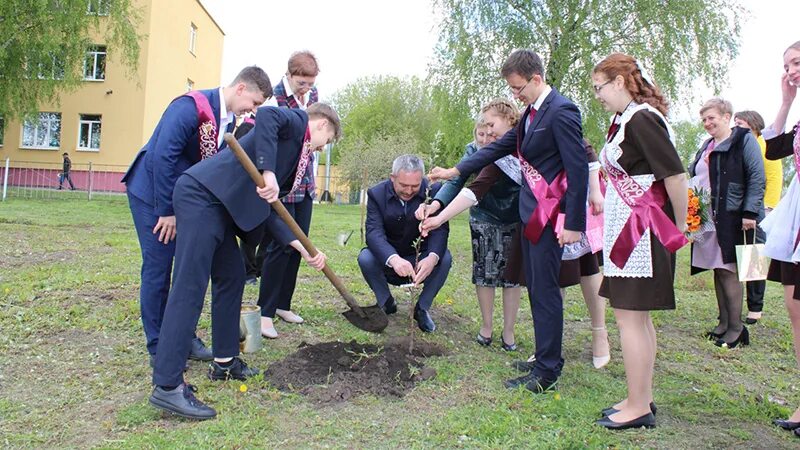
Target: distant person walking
(65, 173)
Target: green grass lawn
(74, 371)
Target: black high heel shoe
(743, 339)
(711, 336)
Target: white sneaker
(288, 316)
(267, 328)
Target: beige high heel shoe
(600, 361)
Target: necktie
(531, 115)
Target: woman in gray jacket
(730, 168)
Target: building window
(192, 38)
(50, 67)
(94, 68)
(42, 133)
(89, 132)
(189, 85)
(97, 7)
(2, 130)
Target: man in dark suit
(215, 201)
(392, 229)
(190, 130)
(549, 140)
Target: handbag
(751, 263)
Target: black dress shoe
(743, 339)
(238, 370)
(199, 351)
(796, 432)
(153, 363)
(648, 421)
(525, 366)
(390, 307)
(533, 383)
(786, 425)
(182, 402)
(424, 320)
(609, 411)
(484, 341)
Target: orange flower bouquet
(698, 221)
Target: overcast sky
(358, 38)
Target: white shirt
(538, 103)
(302, 101)
(225, 118)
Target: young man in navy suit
(549, 143)
(190, 130)
(216, 200)
(392, 228)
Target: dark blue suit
(215, 200)
(392, 229)
(150, 180)
(552, 143)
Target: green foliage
(384, 117)
(43, 46)
(688, 138)
(679, 41)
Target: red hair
(620, 64)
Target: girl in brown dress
(647, 183)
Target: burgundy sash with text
(207, 131)
(305, 158)
(547, 198)
(645, 212)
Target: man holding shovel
(214, 201)
(190, 130)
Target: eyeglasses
(600, 88)
(516, 91)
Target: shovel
(371, 318)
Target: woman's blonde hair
(504, 108)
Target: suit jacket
(392, 227)
(274, 144)
(554, 142)
(173, 148)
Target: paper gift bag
(751, 263)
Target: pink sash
(207, 130)
(645, 212)
(547, 199)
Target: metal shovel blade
(374, 320)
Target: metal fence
(44, 180)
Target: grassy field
(75, 374)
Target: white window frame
(51, 118)
(91, 123)
(94, 53)
(97, 7)
(192, 38)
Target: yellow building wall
(131, 104)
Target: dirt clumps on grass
(338, 371)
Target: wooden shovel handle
(278, 207)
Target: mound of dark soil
(338, 371)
